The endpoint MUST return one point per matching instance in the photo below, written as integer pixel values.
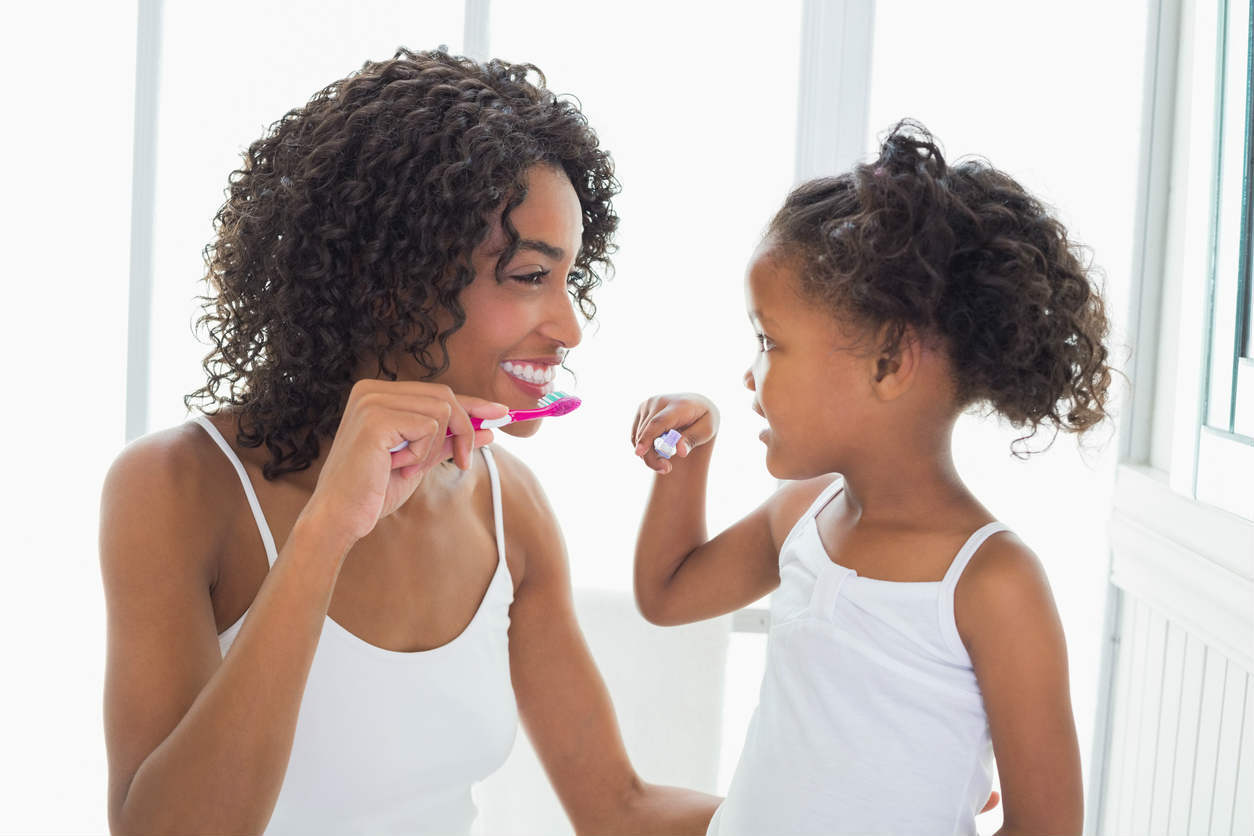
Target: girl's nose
(749, 380)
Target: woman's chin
(522, 429)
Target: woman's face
(519, 327)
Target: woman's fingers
(452, 414)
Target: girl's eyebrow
(760, 317)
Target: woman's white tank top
(870, 719)
(391, 742)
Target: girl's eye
(535, 278)
(764, 342)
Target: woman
(308, 632)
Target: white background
(698, 108)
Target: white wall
(704, 162)
(64, 230)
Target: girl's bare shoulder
(791, 500)
(1004, 584)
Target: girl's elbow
(650, 608)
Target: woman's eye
(534, 278)
(764, 342)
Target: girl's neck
(901, 483)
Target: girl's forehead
(773, 287)
(775, 298)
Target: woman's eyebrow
(543, 248)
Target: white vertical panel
(1243, 807)
(1213, 685)
(1168, 731)
(1186, 738)
(476, 30)
(1125, 779)
(143, 203)
(1147, 742)
(836, 37)
(1118, 759)
(1231, 729)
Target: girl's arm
(562, 700)
(680, 574)
(1010, 627)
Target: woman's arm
(198, 744)
(1009, 624)
(680, 574)
(562, 699)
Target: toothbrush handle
(478, 423)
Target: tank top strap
(267, 539)
(824, 497)
(805, 520)
(949, 626)
(497, 517)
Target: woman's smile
(533, 378)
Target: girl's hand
(693, 415)
(362, 481)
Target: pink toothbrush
(550, 406)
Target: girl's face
(519, 327)
(811, 382)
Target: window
(1226, 435)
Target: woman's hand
(694, 416)
(362, 481)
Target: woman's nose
(749, 381)
(563, 321)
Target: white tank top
(870, 720)
(390, 742)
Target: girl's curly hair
(348, 230)
(965, 254)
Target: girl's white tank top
(870, 719)
(391, 742)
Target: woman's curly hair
(965, 254)
(348, 230)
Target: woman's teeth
(532, 374)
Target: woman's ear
(895, 367)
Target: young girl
(912, 635)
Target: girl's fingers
(667, 418)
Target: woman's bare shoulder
(167, 489)
(531, 526)
(519, 486)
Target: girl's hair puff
(347, 231)
(965, 254)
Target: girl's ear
(895, 368)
